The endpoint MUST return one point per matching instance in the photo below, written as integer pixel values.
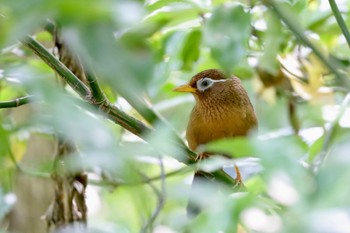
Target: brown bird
(222, 109)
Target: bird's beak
(185, 88)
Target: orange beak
(185, 88)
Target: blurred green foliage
(140, 50)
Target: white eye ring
(205, 83)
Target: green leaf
(227, 33)
(19, 18)
(297, 4)
(155, 5)
(317, 20)
(236, 147)
(256, 185)
(175, 14)
(191, 49)
(172, 44)
(273, 40)
(244, 70)
(126, 65)
(315, 149)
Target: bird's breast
(208, 124)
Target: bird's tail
(200, 179)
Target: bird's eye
(204, 84)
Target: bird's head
(207, 84)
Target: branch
(298, 32)
(57, 66)
(97, 93)
(340, 20)
(17, 102)
(123, 119)
(112, 112)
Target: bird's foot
(238, 178)
(239, 185)
(201, 156)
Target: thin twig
(329, 135)
(300, 78)
(161, 199)
(340, 20)
(145, 180)
(17, 102)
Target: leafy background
(292, 56)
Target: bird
(222, 110)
